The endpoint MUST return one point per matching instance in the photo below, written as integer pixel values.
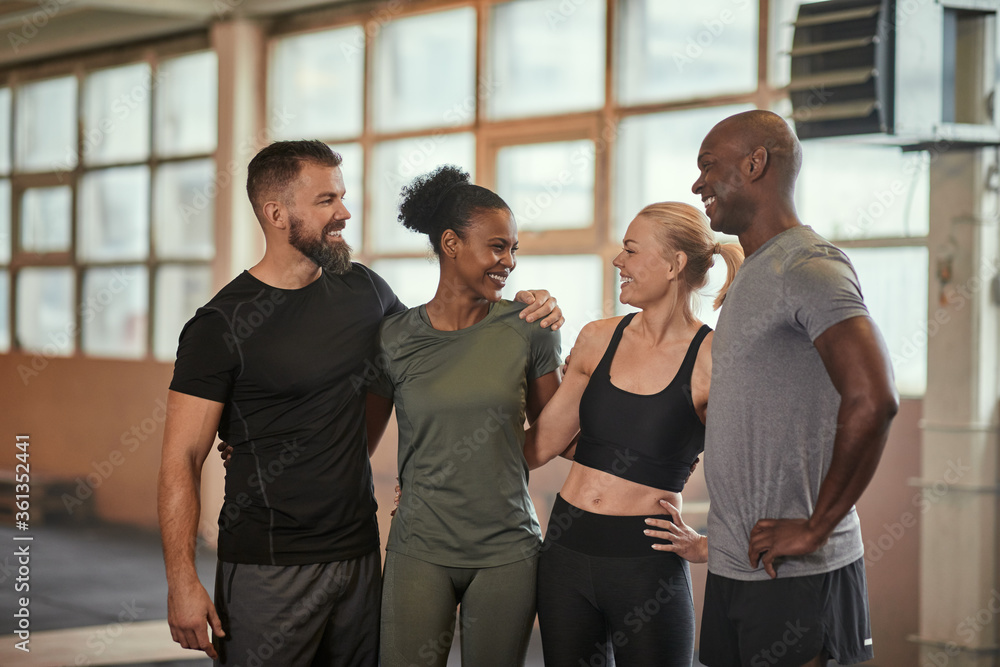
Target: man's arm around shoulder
(857, 361)
(188, 436)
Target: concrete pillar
(241, 48)
(959, 555)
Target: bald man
(801, 402)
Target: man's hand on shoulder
(772, 538)
(541, 304)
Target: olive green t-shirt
(460, 405)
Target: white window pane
(884, 192)
(575, 280)
(187, 90)
(5, 98)
(682, 50)
(4, 310)
(116, 114)
(316, 84)
(180, 291)
(548, 186)
(413, 280)
(546, 57)
(46, 218)
(353, 169)
(894, 284)
(6, 240)
(184, 208)
(45, 320)
(46, 125)
(658, 159)
(114, 214)
(425, 71)
(114, 312)
(399, 162)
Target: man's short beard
(333, 257)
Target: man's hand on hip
(772, 538)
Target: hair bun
(422, 200)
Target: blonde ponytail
(732, 254)
(684, 227)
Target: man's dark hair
(274, 168)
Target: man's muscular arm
(856, 359)
(187, 439)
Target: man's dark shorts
(299, 615)
(787, 622)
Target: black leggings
(602, 590)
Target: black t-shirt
(291, 367)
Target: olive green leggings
(418, 612)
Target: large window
(579, 114)
(106, 210)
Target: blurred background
(125, 130)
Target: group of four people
(298, 362)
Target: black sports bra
(650, 439)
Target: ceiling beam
(194, 9)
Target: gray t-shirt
(460, 404)
(772, 415)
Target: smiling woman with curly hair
(464, 372)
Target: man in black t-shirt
(272, 364)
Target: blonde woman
(635, 392)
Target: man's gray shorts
(323, 614)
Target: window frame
(153, 53)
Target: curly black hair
(444, 199)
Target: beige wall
(96, 422)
